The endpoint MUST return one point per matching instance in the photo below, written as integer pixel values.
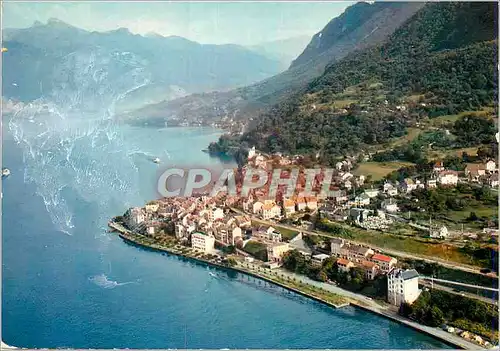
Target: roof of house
(363, 196)
(475, 167)
(337, 241)
(438, 164)
(443, 173)
(200, 233)
(268, 206)
(383, 258)
(311, 199)
(359, 249)
(288, 203)
(321, 256)
(343, 261)
(368, 264)
(409, 274)
(408, 181)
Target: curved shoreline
(458, 344)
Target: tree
(435, 317)
(454, 163)
(231, 262)
(321, 276)
(472, 217)
(405, 309)
(357, 276)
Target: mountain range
(360, 26)
(285, 50)
(174, 66)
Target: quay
(450, 339)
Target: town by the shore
(339, 299)
(308, 244)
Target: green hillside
(440, 62)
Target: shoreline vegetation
(315, 293)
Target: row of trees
(296, 262)
(354, 280)
(436, 307)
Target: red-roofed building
(386, 263)
(438, 166)
(344, 265)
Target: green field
(256, 249)
(443, 120)
(379, 170)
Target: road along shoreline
(449, 339)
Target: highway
(444, 263)
(458, 283)
(461, 293)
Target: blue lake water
(68, 283)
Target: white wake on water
(70, 141)
(103, 281)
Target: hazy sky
(204, 22)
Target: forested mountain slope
(442, 61)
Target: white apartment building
(275, 251)
(447, 178)
(390, 189)
(390, 206)
(491, 166)
(439, 232)
(336, 245)
(215, 213)
(202, 242)
(318, 259)
(402, 286)
(257, 206)
(289, 206)
(270, 210)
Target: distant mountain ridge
(170, 61)
(285, 50)
(378, 22)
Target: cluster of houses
(202, 221)
(485, 173)
(402, 285)
(269, 209)
(199, 219)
